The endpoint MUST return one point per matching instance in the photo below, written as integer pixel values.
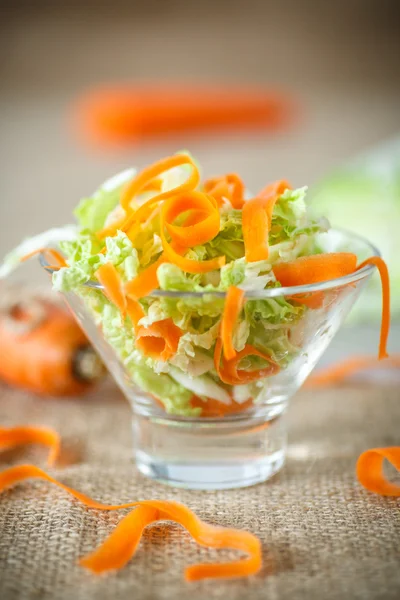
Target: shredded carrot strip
(315, 268)
(191, 235)
(370, 472)
(153, 171)
(144, 283)
(25, 434)
(133, 217)
(134, 311)
(257, 218)
(160, 340)
(52, 252)
(188, 265)
(337, 373)
(219, 187)
(385, 323)
(229, 372)
(110, 279)
(230, 315)
(194, 234)
(121, 545)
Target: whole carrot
(125, 114)
(44, 350)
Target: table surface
(323, 536)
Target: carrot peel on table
(120, 546)
(339, 372)
(370, 470)
(13, 437)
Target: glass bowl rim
(260, 294)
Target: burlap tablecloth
(323, 536)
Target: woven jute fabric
(323, 536)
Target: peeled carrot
(233, 306)
(315, 268)
(21, 435)
(370, 472)
(124, 114)
(385, 324)
(228, 186)
(45, 351)
(110, 279)
(229, 372)
(257, 219)
(122, 543)
(160, 340)
(339, 372)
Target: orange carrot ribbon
(385, 323)
(228, 186)
(21, 435)
(315, 269)
(229, 372)
(61, 262)
(159, 340)
(194, 234)
(121, 545)
(257, 219)
(110, 279)
(339, 372)
(369, 470)
(233, 306)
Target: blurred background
(339, 61)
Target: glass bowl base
(218, 476)
(209, 455)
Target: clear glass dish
(247, 444)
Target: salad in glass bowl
(210, 307)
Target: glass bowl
(241, 441)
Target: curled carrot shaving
(257, 219)
(139, 183)
(196, 233)
(160, 340)
(228, 186)
(370, 472)
(337, 373)
(18, 436)
(315, 268)
(230, 315)
(61, 262)
(190, 235)
(110, 279)
(120, 546)
(146, 281)
(385, 323)
(229, 372)
(188, 265)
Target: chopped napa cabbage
(92, 212)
